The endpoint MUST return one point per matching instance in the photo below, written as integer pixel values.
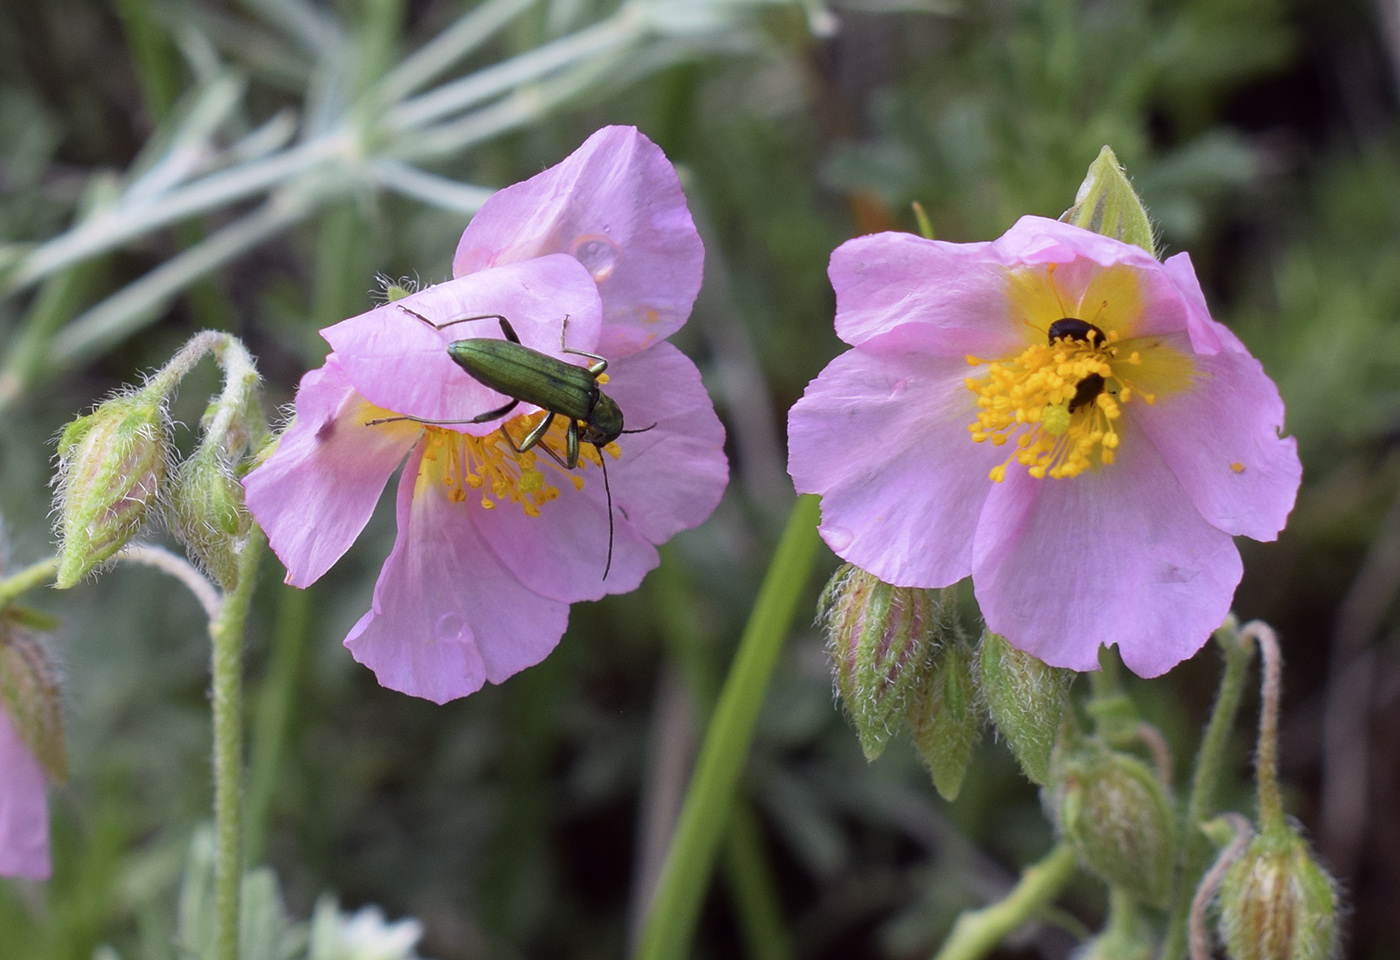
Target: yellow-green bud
(112, 463)
(29, 694)
(879, 638)
(205, 511)
(1276, 903)
(1114, 812)
(944, 719)
(1025, 698)
(1107, 203)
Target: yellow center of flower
(489, 468)
(1062, 397)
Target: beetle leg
(536, 435)
(490, 414)
(593, 368)
(571, 444)
(505, 324)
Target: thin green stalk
(27, 579)
(273, 716)
(226, 663)
(753, 888)
(1271, 816)
(977, 932)
(685, 877)
(1205, 780)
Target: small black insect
(1086, 391)
(1072, 328)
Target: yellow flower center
(488, 466)
(1061, 400)
(1062, 397)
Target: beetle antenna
(642, 430)
(607, 489)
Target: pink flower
(1088, 473)
(24, 808)
(493, 546)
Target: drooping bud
(1026, 699)
(29, 693)
(1115, 813)
(1277, 903)
(1107, 204)
(943, 717)
(112, 463)
(205, 510)
(879, 639)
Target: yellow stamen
(489, 466)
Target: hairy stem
(977, 932)
(226, 637)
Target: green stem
(704, 817)
(27, 579)
(226, 637)
(1271, 816)
(977, 932)
(1205, 779)
(753, 888)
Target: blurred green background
(523, 821)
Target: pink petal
(1207, 336)
(1118, 555)
(1221, 441)
(616, 204)
(671, 477)
(1040, 240)
(316, 492)
(446, 615)
(400, 363)
(882, 435)
(24, 809)
(667, 479)
(956, 294)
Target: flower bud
(112, 463)
(1107, 204)
(943, 717)
(1115, 813)
(204, 509)
(879, 638)
(29, 694)
(1276, 903)
(1026, 699)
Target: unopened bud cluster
(112, 465)
(115, 464)
(1116, 815)
(1276, 903)
(29, 693)
(899, 662)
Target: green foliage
(509, 822)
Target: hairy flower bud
(1106, 203)
(943, 717)
(1026, 699)
(1114, 812)
(112, 463)
(205, 511)
(29, 693)
(879, 638)
(1276, 903)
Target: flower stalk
(1205, 782)
(685, 875)
(226, 663)
(976, 933)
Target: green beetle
(527, 376)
